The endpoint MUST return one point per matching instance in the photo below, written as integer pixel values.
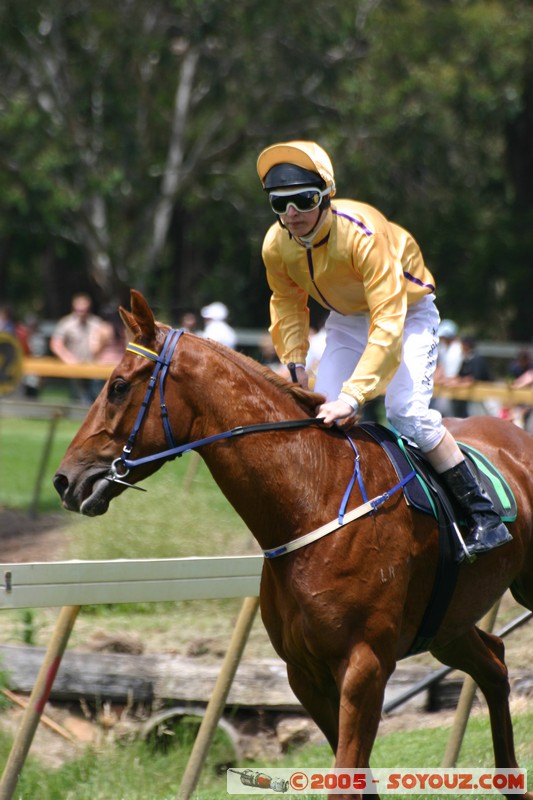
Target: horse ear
(140, 321)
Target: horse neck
(265, 476)
(226, 389)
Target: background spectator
(474, 367)
(521, 370)
(109, 339)
(521, 364)
(74, 342)
(189, 322)
(216, 327)
(449, 360)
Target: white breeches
(409, 393)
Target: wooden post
(34, 507)
(217, 702)
(38, 699)
(466, 698)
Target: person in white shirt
(449, 360)
(216, 327)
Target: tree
(442, 113)
(129, 136)
(130, 113)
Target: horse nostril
(60, 483)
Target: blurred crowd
(85, 337)
(460, 364)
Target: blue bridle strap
(356, 474)
(218, 437)
(162, 362)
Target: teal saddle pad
(420, 492)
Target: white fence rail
(79, 583)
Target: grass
(134, 771)
(22, 443)
(123, 771)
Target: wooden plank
(168, 678)
(126, 581)
(485, 390)
(144, 678)
(48, 367)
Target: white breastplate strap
(334, 525)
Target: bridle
(122, 465)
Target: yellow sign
(10, 363)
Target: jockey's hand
(339, 412)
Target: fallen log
(166, 678)
(145, 678)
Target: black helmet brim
(283, 175)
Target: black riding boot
(486, 530)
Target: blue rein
(121, 466)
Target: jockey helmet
(296, 163)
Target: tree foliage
(129, 133)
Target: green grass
(121, 771)
(183, 513)
(134, 771)
(22, 443)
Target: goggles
(303, 200)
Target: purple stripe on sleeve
(355, 221)
(412, 278)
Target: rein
(121, 466)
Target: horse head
(131, 411)
(83, 479)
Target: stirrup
(485, 546)
(464, 553)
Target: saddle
(427, 494)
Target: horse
(343, 608)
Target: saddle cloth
(426, 493)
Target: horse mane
(307, 400)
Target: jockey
(382, 325)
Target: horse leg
(320, 700)
(348, 716)
(482, 656)
(362, 688)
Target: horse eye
(118, 389)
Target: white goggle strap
(300, 190)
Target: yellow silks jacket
(360, 262)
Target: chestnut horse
(342, 609)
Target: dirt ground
(45, 538)
(26, 539)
